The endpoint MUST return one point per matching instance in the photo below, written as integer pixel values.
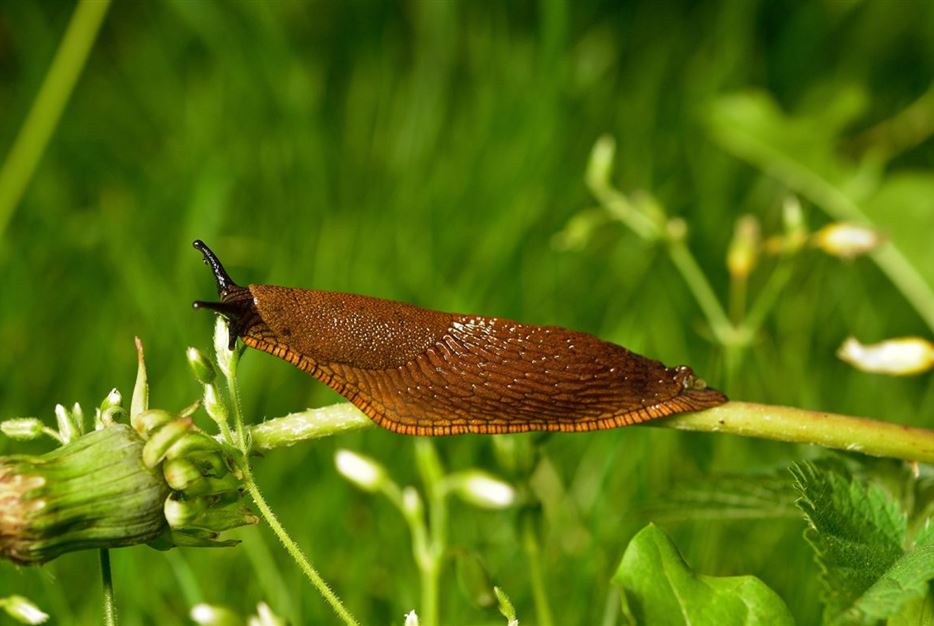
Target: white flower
(360, 470)
(898, 357)
(23, 610)
(483, 490)
(847, 240)
(411, 619)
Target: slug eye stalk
(236, 302)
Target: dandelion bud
(23, 610)
(360, 470)
(482, 489)
(896, 357)
(200, 366)
(847, 240)
(92, 493)
(22, 428)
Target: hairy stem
(110, 606)
(765, 421)
(294, 550)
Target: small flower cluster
(161, 480)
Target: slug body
(421, 372)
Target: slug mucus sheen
(421, 372)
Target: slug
(420, 372)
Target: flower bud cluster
(204, 480)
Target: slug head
(236, 302)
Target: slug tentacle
(422, 372)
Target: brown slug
(421, 372)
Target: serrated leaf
(660, 588)
(905, 581)
(857, 533)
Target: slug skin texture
(421, 372)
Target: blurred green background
(429, 152)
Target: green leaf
(660, 588)
(857, 533)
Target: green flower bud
(215, 406)
(203, 513)
(600, 164)
(68, 427)
(22, 429)
(505, 607)
(200, 366)
(162, 438)
(94, 492)
(179, 473)
(147, 421)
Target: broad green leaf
(857, 533)
(659, 588)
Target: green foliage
(429, 152)
(858, 533)
(659, 587)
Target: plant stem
(702, 291)
(429, 466)
(536, 575)
(47, 108)
(294, 550)
(780, 423)
(308, 424)
(110, 607)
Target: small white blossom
(483, 490)
(360, 470)
(847, 240)
(411, 619)
(897, 357)
(23, 610)
(221, 343)
(211, 615)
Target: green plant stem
(294, 550)
(536, 574)
(47, 108)
(308, 424)
(782, 423)
(702, 291)
(429, 466)
(765, 421)
(110, 607)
